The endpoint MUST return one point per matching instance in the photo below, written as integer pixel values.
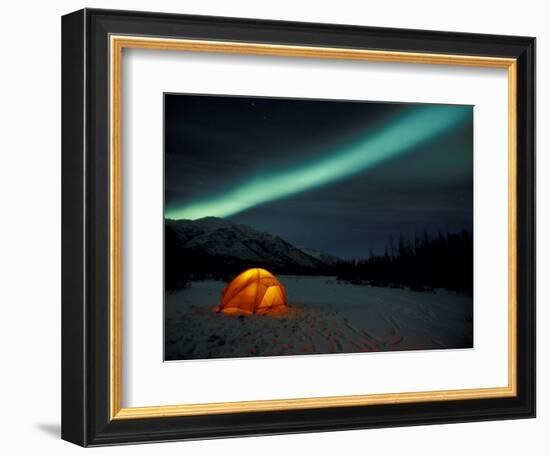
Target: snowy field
(324, 316)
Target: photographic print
(307, 226)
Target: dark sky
(213, 144)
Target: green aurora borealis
(398, 135)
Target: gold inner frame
(117, 44)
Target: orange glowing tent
(253, 291)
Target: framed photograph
(277, 227)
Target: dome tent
(253, 291)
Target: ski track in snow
(324, 316)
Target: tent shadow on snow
(254, 291)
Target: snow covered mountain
(212, 245)
(322, 256)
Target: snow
(324, 316)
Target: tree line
(424, 262)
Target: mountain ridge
(219, 247)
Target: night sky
(335, 176)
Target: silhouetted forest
(421, 263)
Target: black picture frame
(86, 416)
